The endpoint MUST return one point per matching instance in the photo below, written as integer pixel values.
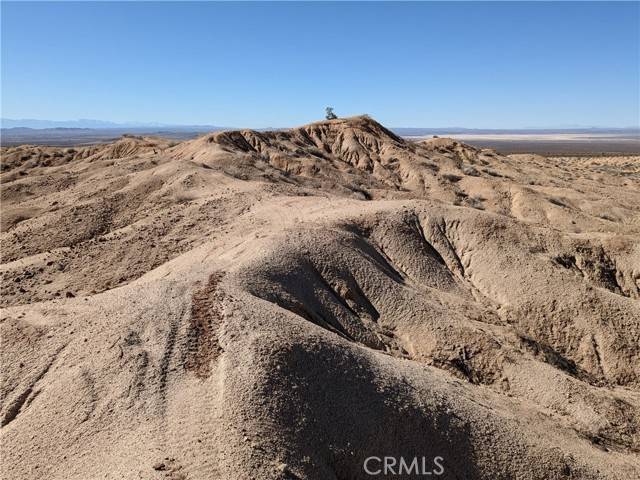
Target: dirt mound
(287, 304)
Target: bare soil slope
(286, 304)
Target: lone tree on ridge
(329, 113)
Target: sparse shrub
(431, 166)
(471, 171)
(491, 172)
(476, 202)
(361, 194)
(452, 177)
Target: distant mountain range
(85, 123)
(10, 123)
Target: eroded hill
(286, 304)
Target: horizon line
(108, 124)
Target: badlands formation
(287, 304)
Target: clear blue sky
(479, 64)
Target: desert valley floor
(285, 304)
